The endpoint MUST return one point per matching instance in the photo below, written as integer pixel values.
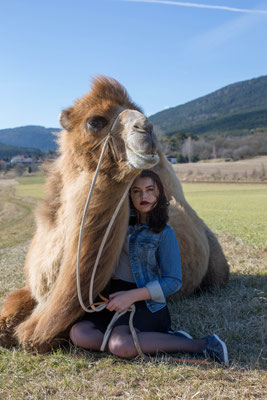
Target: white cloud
(196, 5)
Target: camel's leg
(17, 307)
(218, 269)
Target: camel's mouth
(140, 159)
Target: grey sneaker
(216, 349)
(180, 334)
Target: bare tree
(187, 149)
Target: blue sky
(165, 54)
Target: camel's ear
(64, 119)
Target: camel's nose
(143, 125)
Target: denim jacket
(156, 263)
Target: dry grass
(235, 312)
(253, 170)
(80, 375)
(16, 217)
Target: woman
(148, 270)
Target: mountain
(30, 136)
(7, 151)
(233, 110)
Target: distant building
(28, 160)
(52, 156)
(17, 159)
(21, 160)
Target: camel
(42, 312)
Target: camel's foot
(17, 307)
(42, 348)
(7, 330)
(31, 340)
(47, 347)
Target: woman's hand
(120, 301)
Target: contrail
(187, 4)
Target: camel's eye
(96, 123)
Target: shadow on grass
(237, 313)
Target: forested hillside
(7, 151)
(30, 136)
(233, 110)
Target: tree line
(188, 147)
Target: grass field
(238, 210)
(237, 312)
(31, 187)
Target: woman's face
(144, 194)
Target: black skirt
(144, 320)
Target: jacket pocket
(148, 254)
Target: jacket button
(134, 258)
(152, 306)
(137, 275)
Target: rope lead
(96, 307)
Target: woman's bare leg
(85, 334)
(121, 343)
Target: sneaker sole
(183, 333)
(225, 352)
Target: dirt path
(16, 217)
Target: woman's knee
(74, 335)
(80, 332)
(121, 343)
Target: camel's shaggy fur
(48, 305)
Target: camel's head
(108, 108)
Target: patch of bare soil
(253, 170)
(8, 182)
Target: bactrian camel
(37, 315)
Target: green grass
(31, 187)
(239, 210)
(236, 313)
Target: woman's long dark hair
(158, 216)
